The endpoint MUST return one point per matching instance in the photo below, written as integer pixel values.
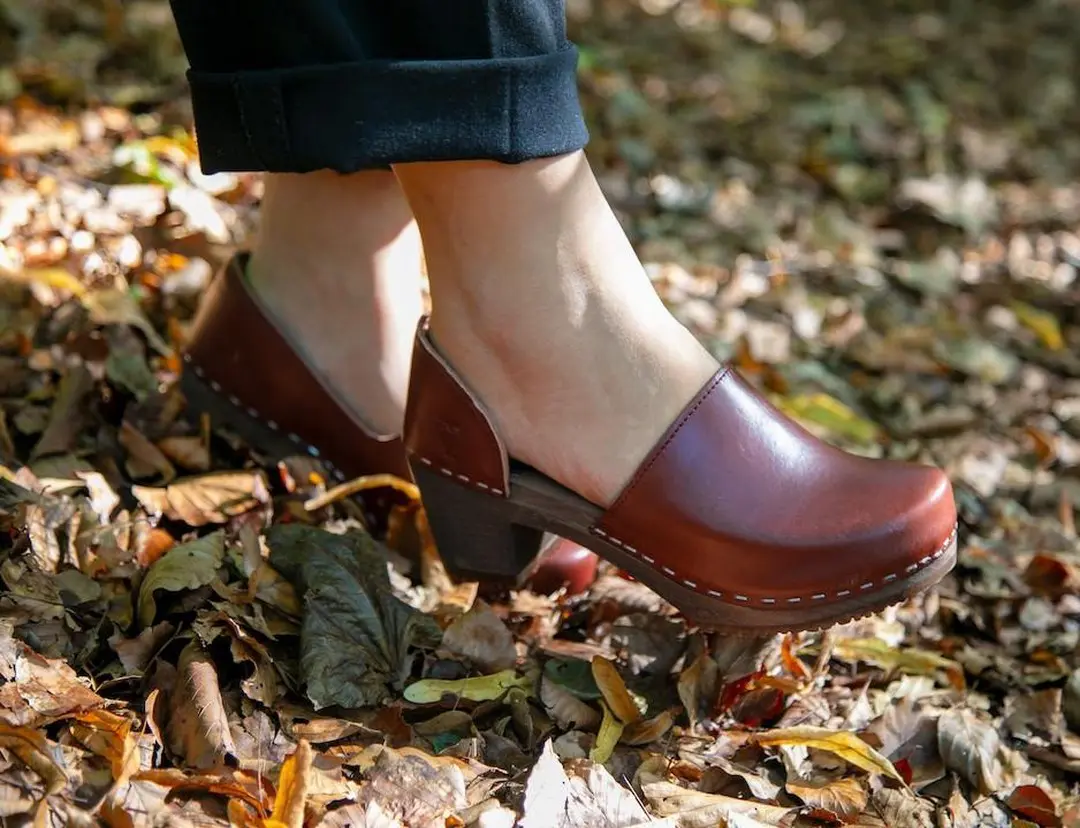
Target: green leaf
(471, 688)
(355, 635)
(187, 566)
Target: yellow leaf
(475, 688)
(614, 690)
(844, 744)
(292, 789)
(1042, 323)
(610, 731)
(54, 277)
(830, 414)
(916, 662)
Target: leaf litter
(189, 636)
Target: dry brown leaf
(646, 731)
(698, 686)
(33, 750)
(695, 809)
(40, 688)
(843, 799)
(109, 735)
(480, 636)
(413, 788)
(567, 710)
(209, 498)
(614, 690)
(190, 453)
(68, 414)
(1034, 804)
(144, 458)
(198, 727)
(135, 653)
(971, 748)
(844, 744)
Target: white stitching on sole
(817, 596)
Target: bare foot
(542, 306)
(337, 262)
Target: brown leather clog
(245, 372)
(739, 517)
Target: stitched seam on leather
(769, 601)
(425, 342)
(463, 478)
(251, 411)
(657, 454)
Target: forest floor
(871, 209)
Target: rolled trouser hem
(371, 114)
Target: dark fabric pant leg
(301, 85)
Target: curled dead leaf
(842, 799)
(646, 731)
(198, 726)
(567, 710)
(480, 636)
(187, 566)
(614, 690)
(971, 748)
(209, 498)
(844, 744)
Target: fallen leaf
(611, 730)
(144, 458)
(68, 413)
(1034, 804)
(1042, 323)
(135, 653)
(292, 788)
(842, 799)
(614, 690)
(589, 796)
(698, 686)
(910, 661)
(480, 636)
(198, 726)
(188, 452)
(32, 748)
(695, 809)
(109, 735)
(567, 710)
(209, 498)
(844, 744)
(412, 788)
(971, 748)
(473, 688)
(187, 566)
(646, 731)
(40, 688)
(355, 634)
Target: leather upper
(739, 499)
(236, 346)
(736, 500)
